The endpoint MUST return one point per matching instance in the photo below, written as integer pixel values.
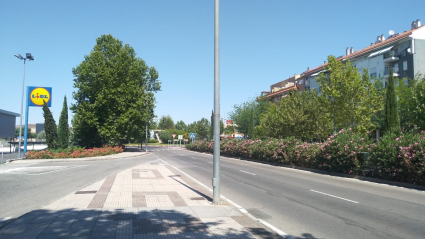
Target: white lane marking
(210, 162)
(193, 157)
(268, 225)
(334, 196)
(2, 219)
(181, 154)
(247, 172)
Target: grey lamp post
(30, 58)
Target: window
(301, 82)
(372, 72)
(404, 65)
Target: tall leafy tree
(114, 94)
(247, 115)
(212, 125)
(50, 128)
(404, 92)
(352, 96)
(202, 128)
(418, 101)
(391, 107)
(166, 122)
(63, 129)
(300, 114)
(180, 125)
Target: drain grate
(197, 198)
(85, 192)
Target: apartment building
(404, 52)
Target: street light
(30, 58)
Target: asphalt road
(310, 205)
(33, 186)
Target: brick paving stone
(147, 202)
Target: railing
(387, 70)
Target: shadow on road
(110, 223)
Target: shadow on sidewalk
(133, 149)
(118, 223)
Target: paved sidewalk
(147, 201)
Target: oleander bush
(73, 152)
(398, 158)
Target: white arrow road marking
(334, 196)
(247, 172)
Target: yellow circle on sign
(38, 95)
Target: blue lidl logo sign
(39, 95)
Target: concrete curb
(241, 209)
(107, 157)
(341, 175)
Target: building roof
(368, 49)
(9, 113)
(281, 91)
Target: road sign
(229, 121)
(192, 135)
(180, 137)
(185, 140)
(174, 135)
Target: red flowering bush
(73, 153)
(394, 158)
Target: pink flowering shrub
(394, 158)
(74, 153)
(342, 152)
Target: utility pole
(216, 150)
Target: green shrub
(394, 158)
(165, 136)
(153, 141)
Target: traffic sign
(174, 135)
(180, 136)
(192, 135)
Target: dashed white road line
(210, 162)
(334, 196)
(247, 172)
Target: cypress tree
(63, 129)
(212, 126)
(391, 108)
(50, 128)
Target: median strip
(334, 196)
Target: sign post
(174, 136)
(36, 96)
(180, 139)
(192, 136)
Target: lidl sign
(38, 95)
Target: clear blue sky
(262, 42)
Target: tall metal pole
(146, 150)
(216, 150)
(22, 113)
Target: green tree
(63, 129)
(114, 96)
(41, 135)
(300, 114)
(378, 119)
(202, 128)
(180, 125)
(23, 131)
(50, 128)
(352, 96)
(166, 122)
(404, 91)
(247, 115)
(392, 121)
(164, 136)
(211, 136)
(418, 101)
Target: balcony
(391, 59)
(387, 72)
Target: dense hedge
(393, 158)
(73, 152)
